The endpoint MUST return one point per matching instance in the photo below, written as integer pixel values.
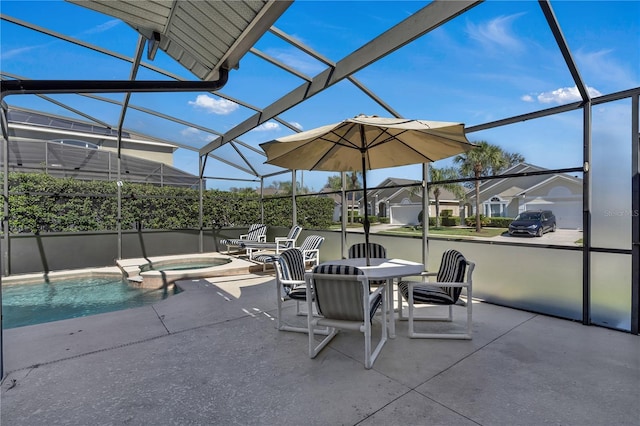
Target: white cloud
(193, 134)
(214, 106)
(297, 125)
(18, 51)
(564, 95)
(297, 60)
(496, 32)
(103, 27)
(526, 98)
(269, 126)
(604, 67)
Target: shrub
(471, 221)
(499, 222)
(450, 220)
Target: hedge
(42, 203)
(492, 222)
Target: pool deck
(211, 355)
(130, 269)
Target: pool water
(28, 304)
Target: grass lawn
(448, 231)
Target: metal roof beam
(564, 48)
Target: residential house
(402, 204)
(65, 147)
(560, 193)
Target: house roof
(64, 160)
(391, 191)
(511, 187)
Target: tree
(286, 187)
(484, 159)
(242, 190)
(448, 173)
(334, 182)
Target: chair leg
(282, 326)
(314, 349)
(370, 357)
(449, 318)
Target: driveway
(560, 237)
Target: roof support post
(635, 214)
(343, 216)
(201, 208)
(294, 211)
(4, 257)
(586, 215)
(425, 214)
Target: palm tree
(446, 173)
(484, 158)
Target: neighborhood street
(560, 237)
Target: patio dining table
(384, 269)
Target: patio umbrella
(367, 142)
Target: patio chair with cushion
(311, 249)
(450, 280)
(343, 301)
(257, 233)
(253, 248)
(376, 251)
(290, 285)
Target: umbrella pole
(366, 205)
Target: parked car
(533, 223)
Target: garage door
(568, 213)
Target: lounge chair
(257, 232)
(310, 248)
(280, 244)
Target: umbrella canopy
(368, 142)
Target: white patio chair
(343, 301)
(291, 285)
(279, 244)
(257, 232)
(450, 280)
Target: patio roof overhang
(204, 36)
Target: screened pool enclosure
(211, 80)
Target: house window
(495, 207)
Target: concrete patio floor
(211, 355)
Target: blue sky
(496, 61)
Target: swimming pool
(28, 304)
